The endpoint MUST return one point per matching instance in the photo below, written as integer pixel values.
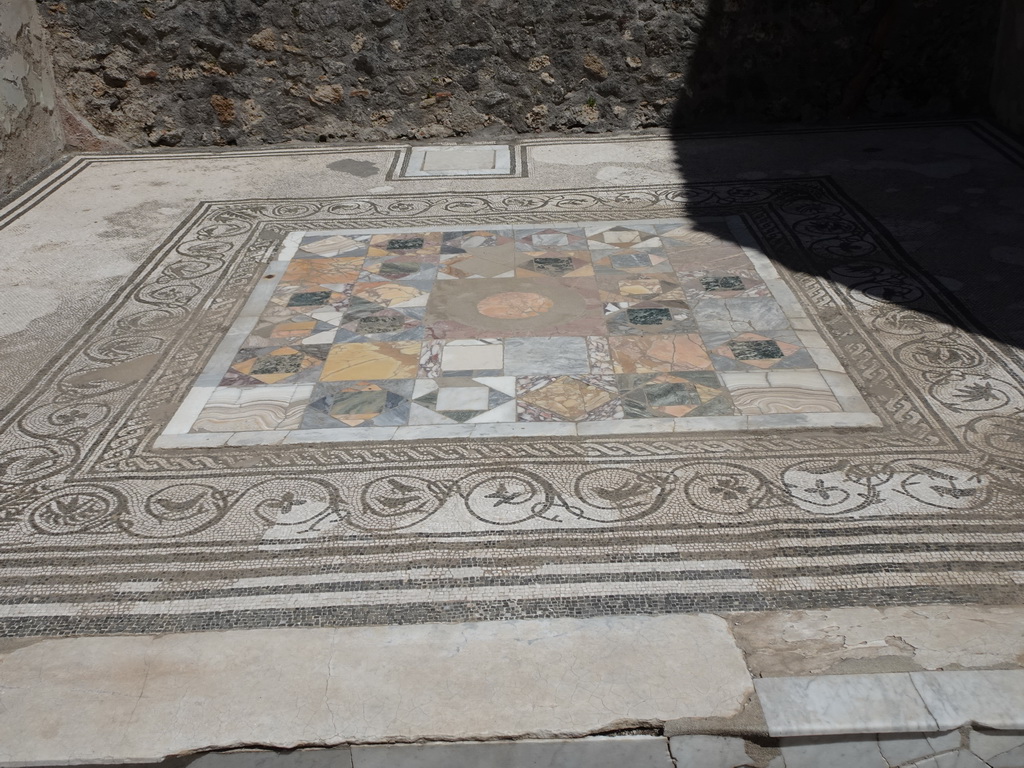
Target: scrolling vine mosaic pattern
(152, 537)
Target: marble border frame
(855, 413)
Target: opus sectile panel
(586, 328)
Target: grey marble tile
(708, 751)
(843, 704)
(594, 752)
(900, 748)
(830, 752)
(544, 355)
(991, 698)
(335, 757)
(192, 440)
(996, 747)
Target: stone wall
(1008, 78)
(169, 72)
(30, 131)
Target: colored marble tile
(630, 322)
(546, 355)
(337, 404)
(405, 245)
(391, 294)
(552, 238)
(333, 273)
(462, 400)
(766, 349)
(400, 268)
(604, 237)
(514, 307)
(365, 321)
(599, 355)
(472, 357)
(553, 264)
(649, 318)
(329, 246)
(475, 254)
(673, 395)
(567, 398)
(624, 288)
(358, 361)
(659, 354)
(635, 262)
(739, 315)
(780, 392)
(699, 286)
(253, 409)
(276, 365)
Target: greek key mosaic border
(77, 464)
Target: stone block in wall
(30, 130)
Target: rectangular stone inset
(459, 159)
(587, 328)
(471, 160)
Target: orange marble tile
(357, 361)
(655, 354)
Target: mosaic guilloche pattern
(659, 326)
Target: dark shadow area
(847, 165)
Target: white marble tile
(710, 423)
(467, 160)
(708, 751)
(189, 409)
(843, 704)
(290, 245)
(624, 427)
(989, 698)
(192, 440)
(594, 752)
(463, 355)
(900, 748)
(432, 431)
(185, 692)
(340, 435)
(462, 399)
(990, 744)
(825, 359)
(830, 752)
(270, 437)
(526, 428)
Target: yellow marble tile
(368, 361)
(655, 354)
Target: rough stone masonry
(168, 72)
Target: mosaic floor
(712, 396)
(581, 328)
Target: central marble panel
(582, 328)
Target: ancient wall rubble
(168, 72)
(30, 131)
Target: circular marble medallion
(514, 305)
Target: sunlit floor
(588, 380)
